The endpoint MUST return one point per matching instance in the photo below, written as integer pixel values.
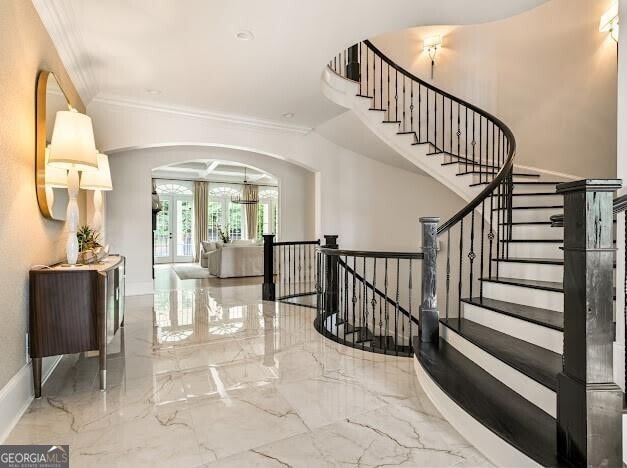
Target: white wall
(548, 73)
(370, 205)
(128, 217)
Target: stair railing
(289, 270)
(370, 300)
(479, 144)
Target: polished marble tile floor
(206, 374)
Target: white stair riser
(536, 231)
(536, 214)
(535, 250)
(532, 271)
(537, 200)
(538, 394)
(522, 295)
(539, 335)
(534, 188)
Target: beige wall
(548, 73)
(26, 238)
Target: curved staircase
(493, 372)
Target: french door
(173, 236)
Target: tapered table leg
(36, 363)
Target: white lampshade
(55, 177)
(72, 145)
(100, 179)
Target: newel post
(352, 66)
(331, 272)
(589, 403)
(428, 321)
(268, 292)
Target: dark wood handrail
(371, 254)
(314, 242)
(503, 171)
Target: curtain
(250, 211)
(201, 206)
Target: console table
(75, 309)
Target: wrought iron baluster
(373, 302)
(471, 254)
(388, 94)
(364, 304)
(398, 271)
(481, 269)
(419, 113)
(459, 132)
(427, 130)
(450, 112)
(435, 120)
(387, 321)
(345, 295)
(466, 137)
(461, 273)
(448, 271)
(354, 300)
(411, 105)
(404, 98)
(395, 94)
(410, 297)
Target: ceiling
(214, 170)
(185, 54)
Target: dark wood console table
(75, 309)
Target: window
(173, 188)
(267, 217)
(222, 212)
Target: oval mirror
(52, 193)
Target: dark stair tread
(524, 223)
(545, 317)
(515, 174)
(542, 261)
(384, 342)
(522, 241)
(501, 410)
(522, 182)
(534, 207)
(535, 194)
(535, 362)
(377, 109)
(391, 121)
(360, 335)
(535, 284)
(364, 96)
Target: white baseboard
(140, 288)
(563, 175)
(17, 395)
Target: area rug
(191, 271)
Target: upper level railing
(480, 144)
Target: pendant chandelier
(248, 198)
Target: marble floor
(207, 374)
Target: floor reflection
(208, 374)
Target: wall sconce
(72, 148)
(98, 181)
(431, 46)
(610, 21)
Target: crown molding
(195, 113)
(60, 21)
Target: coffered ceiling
(186, 54)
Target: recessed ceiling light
(288, 115)
(245, 35)
(153, 91)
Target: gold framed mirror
(51, 183)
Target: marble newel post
(589, 403)
(428, 321)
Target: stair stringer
(344, 93)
